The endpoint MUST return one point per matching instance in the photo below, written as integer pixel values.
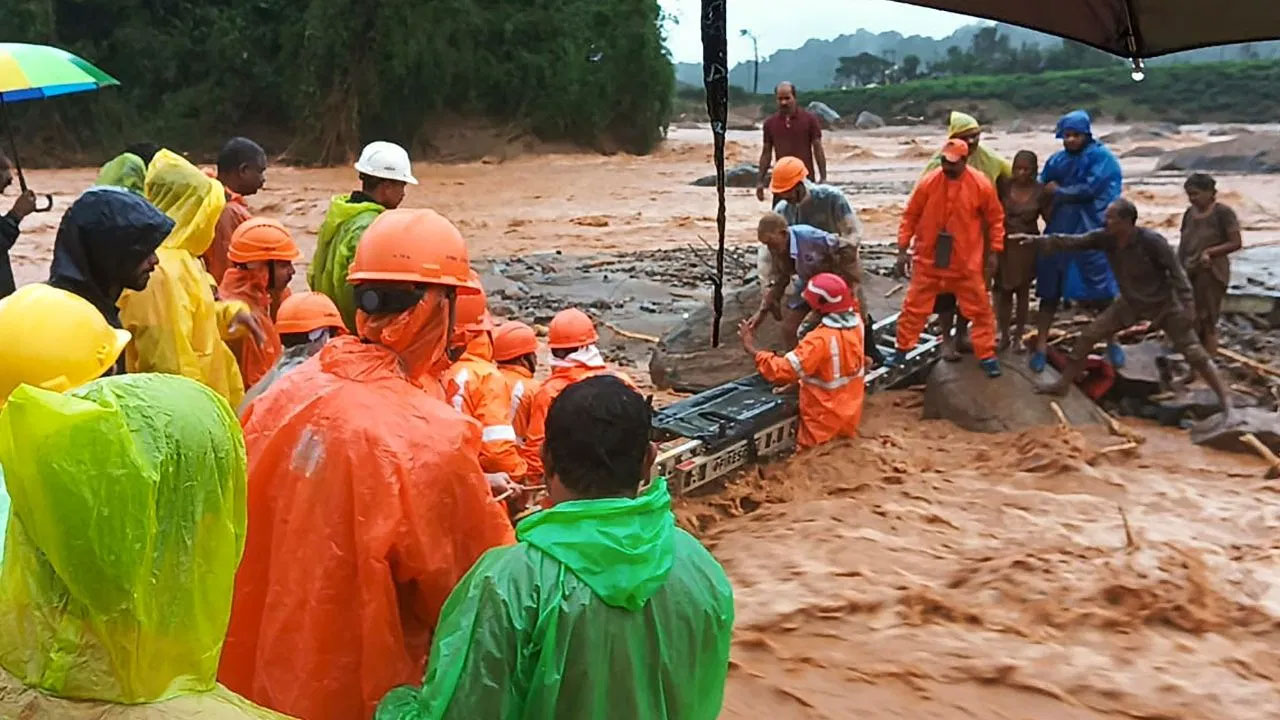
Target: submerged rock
(962, 393)
(868, 121)
(742, 176)
(684, 359)
(1247, 153)
(825, 114)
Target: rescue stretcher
(717, 431)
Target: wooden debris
(628, 334)
(894, 290)
(1120, 429)
(1249, 362)
(1129, 542)
(1263, 452)
(1062, 417)
(1129, 445)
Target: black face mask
(383, 301)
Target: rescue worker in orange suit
(475, 387)
(945, 217)
(574, 356)
(828, 363)
(261, 256)
(515, 349)
(366, 502)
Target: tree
(911, 67)
(863, 69)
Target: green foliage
(323, 76)
(991, 53)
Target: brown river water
(920, 571)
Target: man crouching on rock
(1153, 286)
(802, 252)
(828, 363)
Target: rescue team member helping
(828, 364)
(1210, 233)
(791, 132)
(127, 524)
(1083, 178)
(366, 502)
(178, 326)
(261, 255)
(515, 349)
(384, 170)
(604, 609)
(242, 170)
(128, 170)
(475, 387)
(1153, 286)
(9, 222)
(574, 356)
(106, 244)
(953, 216)
(305, 322)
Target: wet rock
(1143, 151)
(1247, 153)
(742, 176)
(868, 121)
(825, 114)
(962, 393)
(1020, 126)
(1195, 404)
(1146, 133)
(684, 359)
(1229, 130)
(1263, 424)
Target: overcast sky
(781, 24)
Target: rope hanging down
(715, 77)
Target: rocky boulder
(1258, 153)
(1263, 424)
(1143, 133)
(825, 114)
(868, 121)
(1020, 126)
(684, 359)
(1144, 151)
(741, 176)
(962, 393)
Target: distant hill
(812, 65)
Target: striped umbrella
(32, 72)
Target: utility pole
(755, 53)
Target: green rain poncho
(128, 523)
(340, 233)
(603, 610)
(125, 170)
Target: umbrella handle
(48, 204)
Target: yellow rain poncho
(178, 327)
(127, 525)
(981, 159)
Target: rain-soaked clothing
(521, 388)
(9, 232)
(366, 506)
(824, 207)
(828, 364)
(103, 238)
(982, 159)
(476, 388)
(290, 358)
(603, 610)
(127, 171)
(345, 222)
(1088, 181)
(128, 522)
(215, 258)
(178, 326)
(251, 286)
(969, 210)
(586, 362)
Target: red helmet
(512, 340)
(828, 293)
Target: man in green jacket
(384, 170)
(603, 609)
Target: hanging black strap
(715, 72)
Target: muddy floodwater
(921, 571)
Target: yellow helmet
(54, 340)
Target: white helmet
(386, 160)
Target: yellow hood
(192, 199)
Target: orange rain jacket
(250, 287)
(960, 206)
(366, 506)
(522, 388)
(828, 363)
(564, 373)
(215, 259)
(476, 388)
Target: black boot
(869, 347)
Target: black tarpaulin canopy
(1132, 29)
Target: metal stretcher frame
(711, 434)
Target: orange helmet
(471, 314)
(512, 340)
(259, 239)
(570, 329)
(417, 246)
(306, 311)
(788, 173)
(828, 293)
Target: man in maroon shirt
(792, 132)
